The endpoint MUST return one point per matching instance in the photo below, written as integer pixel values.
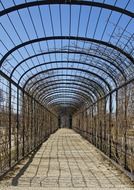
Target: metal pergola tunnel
(67, 64)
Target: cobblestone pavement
(65, 161)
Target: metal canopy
(67, 54)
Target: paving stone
(66, 161)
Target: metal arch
(78, 89)
(43, 87)
(65, 83)
(68, 99)
(79, 62)
(67, 38)
(77, 104)
(86, 99)
(73, 2)
(87, 79)
(81, 100)
(42, 97)
(71, 91)
(65, 96)
(73, 52)
(66, 68)
(62, 80)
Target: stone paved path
(65, 161)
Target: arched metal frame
(66, 68)
(128, 56)
(83, 90)
(111, 62)
(68, 99)
(70, 94)
(100, 78)
(80, 63)
(86, 80)
(44, 87)
(74, 2)
(73, 91)
(63, 68)
(85, 93)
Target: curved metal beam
(37, 94)
(67, 38)
(67, 102)
(65, 83)
(60, 96)
(66, 68)
(79, 62)
(71, 80)
(69, 88)
(71, 52)
(82, 93)
(75, 92)
(83, 78)
(67, 99)
(71, 91)
(72, 2)
(67, 95)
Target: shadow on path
(24, 168)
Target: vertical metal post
(70, 121)
(39, 123)
(87, 125)
(125, 130)
(98, 124)
(36, 116)
(42, 132)
(28, 126)
(116, 132)
(95, 123)
(110, 123)
(17, 124)
(34, 123)
(59, 122)
(44, 125)
(92, 124)
(31, 127)
(51, 124)
(40, 126)
(23, 112)
(10, 124)
(104, 143)
(36, 127)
